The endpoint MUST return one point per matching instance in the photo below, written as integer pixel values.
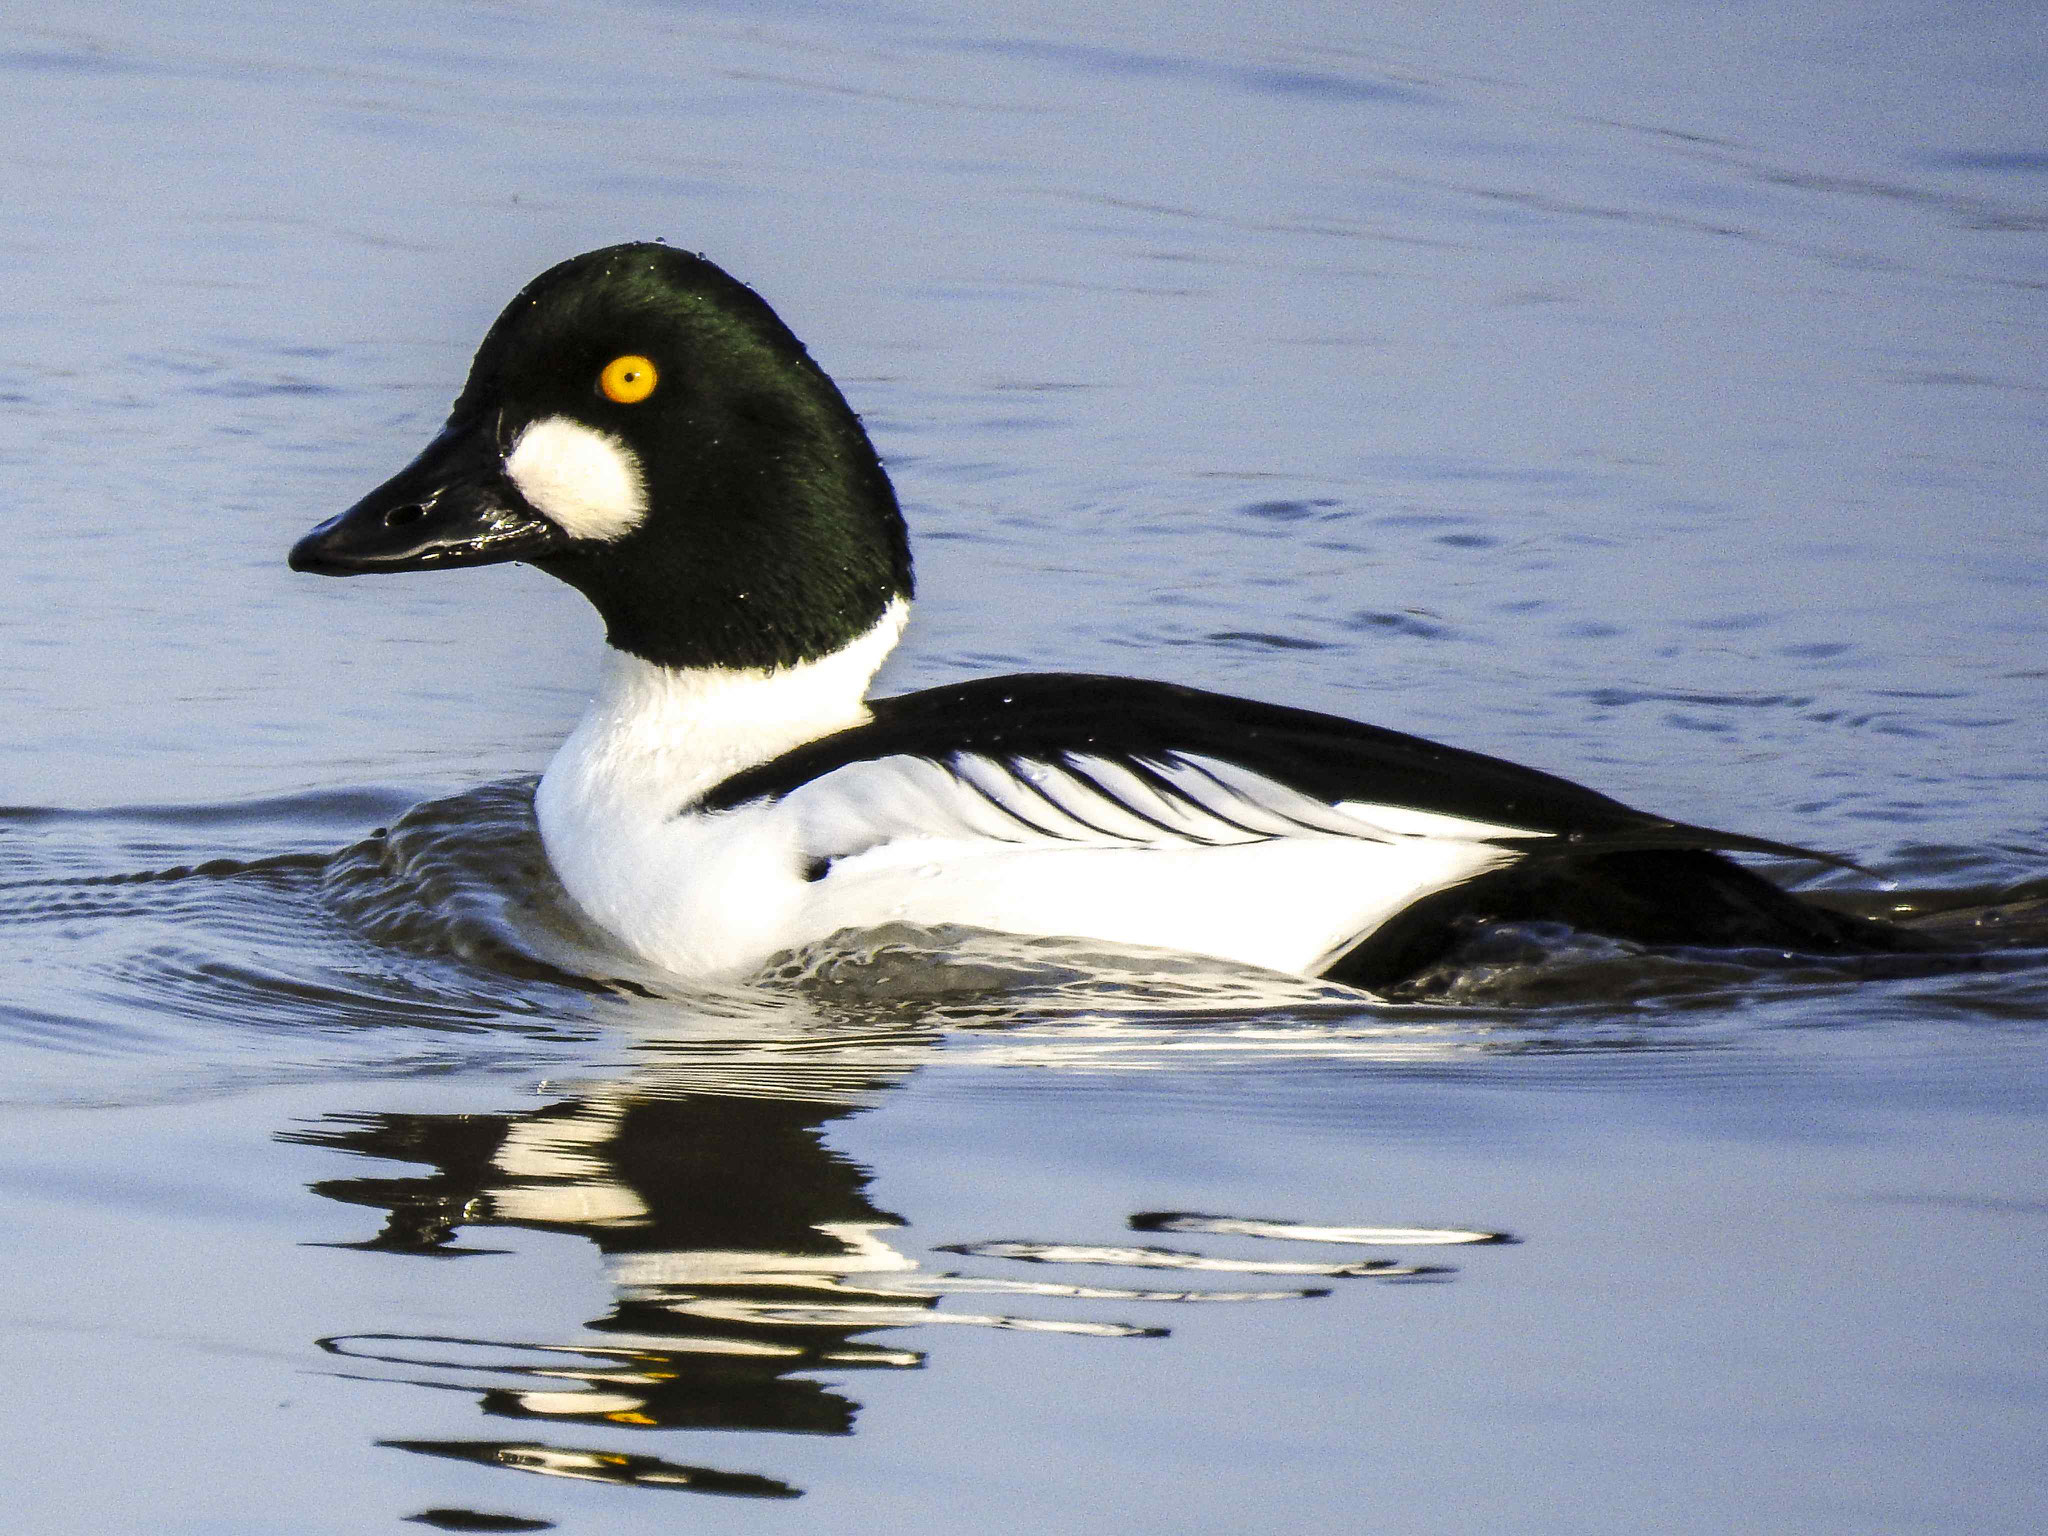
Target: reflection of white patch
(586, 482)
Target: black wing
(1053, 717)
(1593, 863)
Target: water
(1656, 397)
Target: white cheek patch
(586, 482)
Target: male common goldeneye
(642, 426)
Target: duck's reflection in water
(752, 1275)
(734, 1237)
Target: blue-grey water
(1657, 395)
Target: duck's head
(642, 426)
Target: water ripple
(204, 946)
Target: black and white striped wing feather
(1170, 851)
(1165, 800)
(1123, 760)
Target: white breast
(693, 894)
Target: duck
(642, 426)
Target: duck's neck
(656, 738)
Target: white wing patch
(1172, 800)
(1174, 852)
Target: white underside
(1219, 862)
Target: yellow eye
(629, 379)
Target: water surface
(1655, 397)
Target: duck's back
(1148, 813)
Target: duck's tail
(1665, 898)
